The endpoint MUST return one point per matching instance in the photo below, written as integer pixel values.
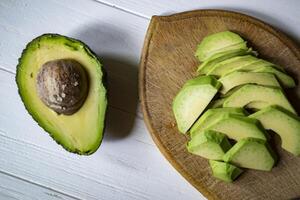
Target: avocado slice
(257, 105)
(219, 42)
(211, 115)
(241, 63)
(284, 123)
(209, 144)
(249, 93)
(251, 153)
(221, 56)
(232, 64)
(237, 127)
(224, 171)
(284, 79)
(238, 78)
(218, 103)
(192, 99)
(60, 84)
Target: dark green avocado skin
(89, 52)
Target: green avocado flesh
(209, 144)
(257, 105)
(211, 115)
(238, 78)
(219, 57)
(82, 131)
(224, 171)
(249, 93)
(213, 109)
(238, 127)
(251, 153)
(219, 42)
(284, 123)
(192, 99)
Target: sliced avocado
(258, 65)
(209, 144)
(249, 93)
(60, 84)
(257, 105)
(218, 103)
(219, 42)
(238, 78)
(221, 56)
(211, 115)
(251, 153)
(232, 64)
(285, 80)
(192, 99)
(237, 127)
(224, 171)
(284, 123)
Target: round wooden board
(168, 61)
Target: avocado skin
(90, 53)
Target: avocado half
(82, 131)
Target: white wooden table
(127, 165)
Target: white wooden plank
(14, 188)
(115, 36)
(123, 168)
(280, 13)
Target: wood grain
(167, 62)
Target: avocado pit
(62, 85)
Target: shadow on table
(111, 43)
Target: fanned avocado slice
(211, 115)
(219, 42)
(251, 153)
(209, 144)
(238, 78)
(60, 84)
(284, 123)
(249, 93)
(221, 56)
(224, 171)
(192, 99)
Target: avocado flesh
(257, 105)
(232, 64)
(192, 99)
(284, 79)
(238, 78)
(209, 144)
(82, 131)
(211, 115)
(284, 123)
(218, 103)
(219, 57)
(218, 42)
(249, 93)
(251, 153)
(237, 127)
(224, 171)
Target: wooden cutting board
(168, 62)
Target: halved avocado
(60, 84)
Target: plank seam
(123, 9)
(38, 184)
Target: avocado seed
(62, 85)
